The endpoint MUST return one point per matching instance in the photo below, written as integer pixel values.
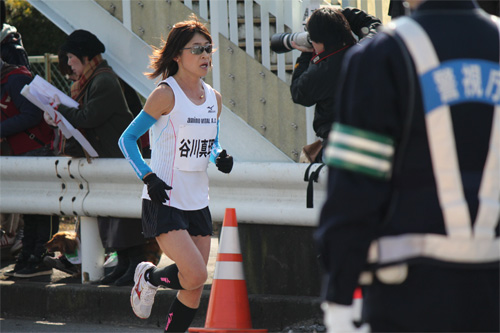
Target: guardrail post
(48, 74)
(92, 250)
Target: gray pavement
(29, 325)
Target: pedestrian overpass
(260, 122)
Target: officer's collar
(446, 5)
(317, 58)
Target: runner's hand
(157, 188)
(224, 162)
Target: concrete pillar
(92, 251)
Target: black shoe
(21, 262)
(120, 269)
(127, 279)
(35, 267)
(61, 264)
(113, 276)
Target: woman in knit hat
(103, 115)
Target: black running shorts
(159, 219)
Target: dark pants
(436, 299)
(119, 233)
(38, 229)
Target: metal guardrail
(262, 193)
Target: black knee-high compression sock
(166, 276)
(179, 317)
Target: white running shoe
(143, 293)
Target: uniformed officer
(413, 200)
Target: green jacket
(103, 115)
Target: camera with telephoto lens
(282, 42)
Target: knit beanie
(83, 43)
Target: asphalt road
(24, 325)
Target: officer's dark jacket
(374, 96)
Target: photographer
(314, 79)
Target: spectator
(103, 115)
(12, 52)
(24, 133)
(175, 196)
(11, 49)
(413, 188)
(315, 77)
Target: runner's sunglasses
(198, 49)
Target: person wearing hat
(103, 110)
(102, 116)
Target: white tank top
(180, 148)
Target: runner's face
(198, 63)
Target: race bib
(194, 143)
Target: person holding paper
(102, 114)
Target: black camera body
(282, 42)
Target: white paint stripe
(362, 143)
(488, 215)
(229, 240)
(228, 270)
(358, 158)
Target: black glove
(157, 188)
(361, 23)
(224, 162)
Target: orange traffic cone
(228, 306)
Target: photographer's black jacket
(314, 81)
(375, 97)
(316, 84)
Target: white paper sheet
(41, 93)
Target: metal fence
(47, 67)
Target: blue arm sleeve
(216, 148)
(128, 143)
